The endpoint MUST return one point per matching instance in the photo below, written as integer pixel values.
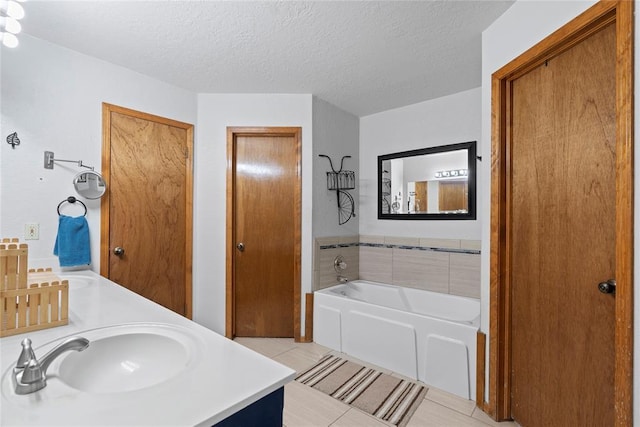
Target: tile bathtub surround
(326, 249)
(375, 240)
(464, 275)
(471, 244)
(424, 242)
(401, 241)
(428, 270)
(376, 264)
(439, 265)
(326, 275)
(441, 243)
(456, 273)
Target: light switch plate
(31, 231)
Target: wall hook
(13, 140)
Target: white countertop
(224, 377)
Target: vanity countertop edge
(227, 378)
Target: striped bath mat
(391, 399)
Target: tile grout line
(494, 422)
(281, 353)
(451, 409)
(337, 419)
(426, 397)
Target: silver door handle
(608, 287)
(240, 247)
(118, 250)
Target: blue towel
(72, 242)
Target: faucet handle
(338, 264)
(26, 354)
(32, 373)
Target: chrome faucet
(30, 375)
(339, 266)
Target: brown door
(266, 230)
(146, 219)
(421, 196)
(563, 237)
(452, 196)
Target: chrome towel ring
(72, 199)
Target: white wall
(447, 120)
(53, 98)
(335, 134)
(519, 28)
(215, 113)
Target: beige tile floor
(304, 406)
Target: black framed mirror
(429, 183)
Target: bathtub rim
(475, 322)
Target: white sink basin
(125, 358)
(77, 281)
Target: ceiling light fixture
(10, 12)
(11, 8)
(454, 173)
(10, 25)
(9, 40)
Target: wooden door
(561, 352)
(148, 211)
(421, 196)
(453, 196)
(265, 236)
(563, 237)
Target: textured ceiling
(362, 56)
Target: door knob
(608, 287)
(240, 247)
(118, 250)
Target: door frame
(589, 22)
(232, 134)
(107, 109)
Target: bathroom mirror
(89, 185)
(429, 183)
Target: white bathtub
(423, 335)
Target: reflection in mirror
(430, 183)
(89, 185)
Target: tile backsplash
(439, 265)
(325, 250)
(419, 269)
